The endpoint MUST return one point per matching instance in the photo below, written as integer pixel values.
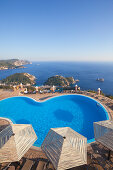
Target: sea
(86, 72)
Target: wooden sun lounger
(41, 165)
(28, 164)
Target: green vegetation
(60, 81)
(70, 80)
(92, 91)
(102, 93)
(7, 63)
(68, 88)
(31, 89)
(5, 87)
(18, 78)
(111, 97)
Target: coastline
(13, 64)
(6, 68)
(75, 69)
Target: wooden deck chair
(28, 165)
(41, 165)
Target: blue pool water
(75, 111)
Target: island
(18, 78)
(100, 79)
(13, 64)
(60, 81)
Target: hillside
(60, 81)
(12, 64)
(18, 78)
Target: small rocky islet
(60, 81)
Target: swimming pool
(75, 111)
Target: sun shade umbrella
(103, 132)
(65, 148)
(15, 141)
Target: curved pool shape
(75, 111)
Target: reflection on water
(63, 115)
(22, 121)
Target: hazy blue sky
(56, 29)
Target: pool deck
(97, 154)
(96, 159)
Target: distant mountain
(12, 64)
(17, 78)
(60, 81)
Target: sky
(56, 30)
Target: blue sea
(86, 72)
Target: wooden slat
(28, 164)
(41, 165)
(11, 168)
